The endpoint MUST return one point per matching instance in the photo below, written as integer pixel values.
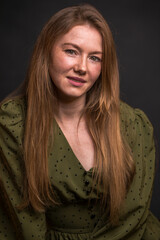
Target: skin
(76, 60)
(78, 54)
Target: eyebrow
(77, 47)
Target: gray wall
(136, 29)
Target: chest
(81, 144)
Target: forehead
(83, 35)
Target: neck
(69, 110)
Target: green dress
(76, 218)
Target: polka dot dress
(79, 216)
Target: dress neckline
(77, 160)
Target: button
(86, 182)
(88, 192)
(90, 208)
(93, 216)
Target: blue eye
(95, 59)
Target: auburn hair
(114, 166)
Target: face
(76, 62)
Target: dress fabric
(79, 216)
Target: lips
(77, 79)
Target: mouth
(76, 79)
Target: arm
(136, 222)
(28, 224)
(137, 205)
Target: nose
(81, 65)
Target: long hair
(113, 162)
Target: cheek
(62, 63)
(67, 63)
(95, 72)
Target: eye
(71, 51)
(95, 59)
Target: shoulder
(12, 111)
(12, 122)
(130, 116)
(135, 124)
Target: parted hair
(114, 166)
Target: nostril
(80, 71)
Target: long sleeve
(139, 133)
(32, 225)
(136, 220)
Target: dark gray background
(136, 29)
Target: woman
(76, 163)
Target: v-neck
(74, 155)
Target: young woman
(75, 161)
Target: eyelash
(73, 52)
(70, 51)
(95, 59)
